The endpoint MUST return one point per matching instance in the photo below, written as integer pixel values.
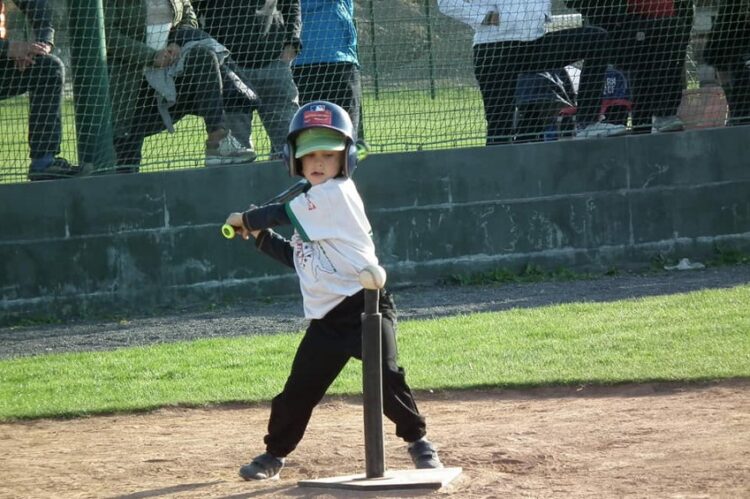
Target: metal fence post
(91, 100)
(430, 55)
(374, 50)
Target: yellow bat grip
(227, 231)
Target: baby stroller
(539, 99)
(545, 102)
(617, 103)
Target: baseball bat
(289, 193)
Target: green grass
(685, 337)
(398, 120)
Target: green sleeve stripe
(296, 223)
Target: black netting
(149, 85)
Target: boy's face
(319, 166)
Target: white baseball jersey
(332, 242)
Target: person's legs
(44, 82)
(319, 359)
(339, 83)
(738, 95)
(147, 121)
(560, 48)
(128, 151)
(355, 86)
(240, 123)
(45, 79)
(398, 402)
(12, 81)
(199, 89)
(199, 92)
(677, 31)
(643, 77)
(352, 91)
(659, 74)
(322, 354)
(311, 82)
(278, 101)
(629, 54)
(496, 74)
(238, 116)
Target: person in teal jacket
(327, 68)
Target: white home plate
(393, 480)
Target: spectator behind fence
(327, 67)
(263, 37)
(648, 40)
(141, 36)
(510, 39)
(728, 50)
(30, 67)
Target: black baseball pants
(325, 349)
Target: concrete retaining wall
(138, 242)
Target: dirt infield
(651, 440)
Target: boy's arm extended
(265, 217)
(275, 246)
(269, 242)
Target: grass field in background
(398, 120)
(683, 337)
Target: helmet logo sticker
(317, 115)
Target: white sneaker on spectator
(667, 124)
(228, 151)
(600, 129)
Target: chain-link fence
(154, 85)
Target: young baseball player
(331, 243)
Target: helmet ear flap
(351, 159)
(288, 157)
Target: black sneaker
(424, 455)
(264, 467)
(228, 151)
(57, 168)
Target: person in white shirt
(332, 242)
(510, 39)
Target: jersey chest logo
(312, 259)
